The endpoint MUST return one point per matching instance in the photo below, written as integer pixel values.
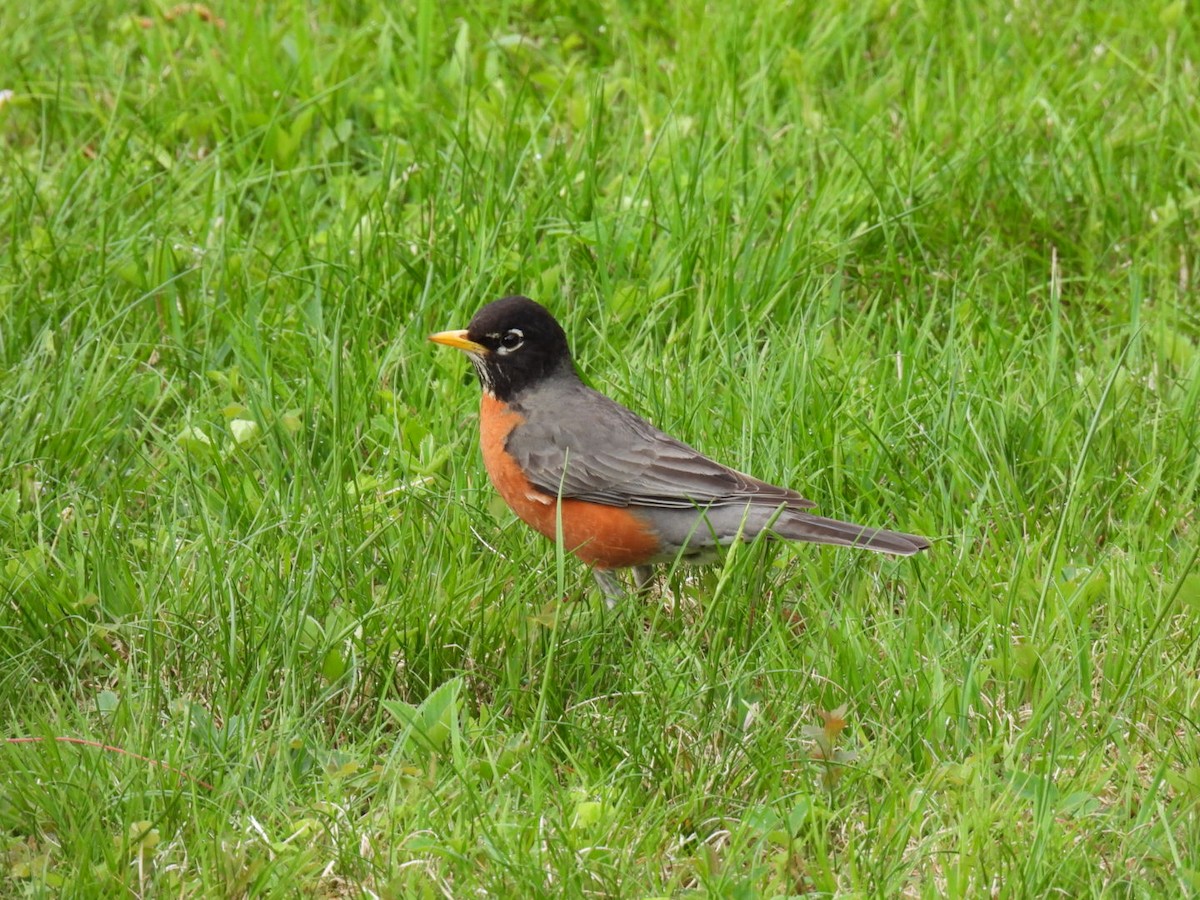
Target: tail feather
(800, 526)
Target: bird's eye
(512, 339)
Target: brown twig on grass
(85, 742)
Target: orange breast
(606, 536)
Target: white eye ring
(510, 341)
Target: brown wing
(597, 450)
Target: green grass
(934, 265)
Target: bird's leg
(610, 586)
(642, 577)
(613, 588)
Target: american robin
(623, 493)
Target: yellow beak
(458, 340)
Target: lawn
(265, 629)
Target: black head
(513, 343)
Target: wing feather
(598, 450)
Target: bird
(576, 465)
